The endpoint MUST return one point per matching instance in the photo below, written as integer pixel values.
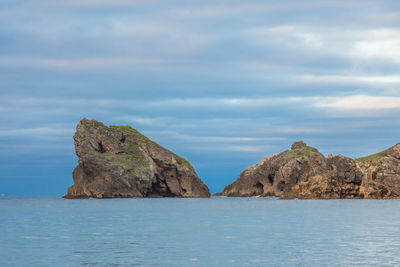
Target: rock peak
(119, 161)
(299, 145)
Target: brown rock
(277, 174)
(381, 174)
(341, 179)
(118, 161)
(303, 172)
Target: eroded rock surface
(303, 172)
(381, 174)
(118, 161)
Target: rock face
(303, 172)
(119, 162)
(381, 174)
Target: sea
(220, 231)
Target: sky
(221, 83)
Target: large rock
(303, 172)
(118, 161)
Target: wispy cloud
(249, 148)
(80, 64)
(221, 10)
(42, 132)
(350, 79)
(37, 149)
(380, 44)
(359, 103)
(173, 106)
(92, 3)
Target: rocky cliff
(118, 161)
(381, 174)
(303, 172)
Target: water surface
(50, 231)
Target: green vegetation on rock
(379, 155)
(141, 138)
(132, 132)
(136, 163)
(125, 160)
(295, 153)
(91, 124)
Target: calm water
(198, 232)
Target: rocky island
(303, 172)
(120, 162)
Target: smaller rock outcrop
(303, 172)
(277, 174)
(118, 161)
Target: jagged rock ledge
(120, 162)
(302, 172)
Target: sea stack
(120, 162)
(302, 172)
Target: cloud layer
(223, 83)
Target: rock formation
(118, 161)
(381, 174)
(303, 172)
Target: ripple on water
(35, 237)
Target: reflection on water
(198, 232)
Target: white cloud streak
(249, 148)
(351, 102)
(92, 3)
(37, 132)
(359, 103)
(349, 79)
(74, 63)
(381, 44)
(377, 44)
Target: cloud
(377, 44)
(384, 17)
(289, 35)
(359, 103)
(171, 135)
(92, 3)
(209, 79)
(272, 31)
(353, 43)
(36, 149)
(221, 10)
(42, 132)
(350, 79)
(213, 111)
(145, 120)
(74, 63)
(249, 148)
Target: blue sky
(222, 83)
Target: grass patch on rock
(141, 138)
(379, 155)
(135, 163)
(295, 153)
